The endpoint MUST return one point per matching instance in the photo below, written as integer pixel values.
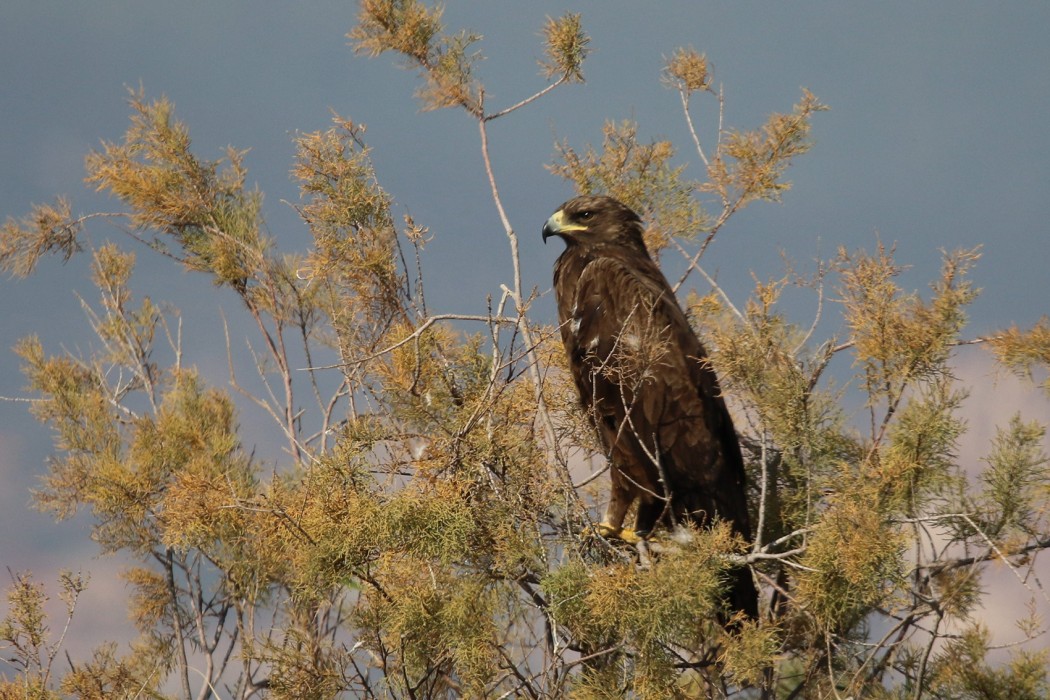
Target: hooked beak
(557, 226)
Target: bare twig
(518, 105)
(692, 131)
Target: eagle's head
(590, 220)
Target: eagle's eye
(584, 215)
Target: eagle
(645, 380)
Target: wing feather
(645, 376)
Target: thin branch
(728, 210)
(816, 317)
(741, 560)
(1042, 544)
(763, 497)
(692, 131)
(71, 607)
(411, 337)
(527, 100)
(593, 475)
(791, 535)
(717, 288)
(176, 623)
(927, 652)
(521, 306)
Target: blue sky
(937, 138)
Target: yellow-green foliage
(32, 648)
(687, 71)
(632, 619)
(746, 655)
(354, 237)
(433, 525)
(751, 164)
(109, 675)
(917, 466)
(25, 627)
(435, 616)
(762, 360)
(672, 600)
(204, 208)
(1024, 351)
(565, 45)
(755, 353)
(853, 560)
(1016, 483)
(961, 671)
(415, 31)
(898, 337)
(323, 525)
(73, 402)
(194, 439)
(48, 228)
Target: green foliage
(566, 48)
(853, 563)
(961, 671)
(898, 337)
(415, 31)
(48, 228)
(1016, 483)
(751, 164)
(32, 650)
(1023, 351)
(687, 71)
(427, 528)
(201, 206)
(641, 623)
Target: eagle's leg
(649, 511)
(621, 495)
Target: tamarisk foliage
(427, 530)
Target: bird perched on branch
(644, 378)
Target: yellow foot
(625, 534)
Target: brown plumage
(644, 377)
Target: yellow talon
(631, 536)
(608, 531)
(625, 534)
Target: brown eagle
(644, 378)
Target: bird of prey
(645, 379)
